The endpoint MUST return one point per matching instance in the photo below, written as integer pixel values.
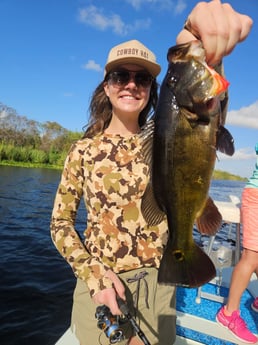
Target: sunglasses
(122, 77)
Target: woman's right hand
(219, 27)
(109, 296)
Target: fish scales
(187, 132)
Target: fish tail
(191, 268)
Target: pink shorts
(249, 218)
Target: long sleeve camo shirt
(110, 174)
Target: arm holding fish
(218, 26)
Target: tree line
(27, 141)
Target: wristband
(188, 27)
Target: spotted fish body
(188, 129)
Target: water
(36, 283)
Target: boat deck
(196, 318)
(69, 339)
(197, 308)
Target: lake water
(36, 283)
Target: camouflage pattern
(110, 173)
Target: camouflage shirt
(110, 173)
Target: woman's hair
(100, 109)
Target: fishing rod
(110, 323)
(125, 310)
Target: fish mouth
(220, 84)
(196, 50)
(190, 77)
(184, 52)
(200, 93)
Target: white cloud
(241, 163)
(137, 4)
(100, 20)
(244, 117)
(241, 154)
(177, 6)
(180, 6)
(138, 25)
(92, 65)
(95, 17)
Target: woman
(120, 254)
(229, 315)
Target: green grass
(217, 174)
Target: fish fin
(150, 210)
(223, 108)
(146, 136)
(149, 207)
(219, 68)
(190, 269)
(225, 141)
(210, 220)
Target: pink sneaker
(236, 325)
(254, 305)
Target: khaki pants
(155, 313)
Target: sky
(54, 52)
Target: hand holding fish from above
(218, 26)
(188, 128)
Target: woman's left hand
(109, 296)
(218, 26)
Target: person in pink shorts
(229, 315)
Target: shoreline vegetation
(224, 175)
(217, 174)
(31, 144)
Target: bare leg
(240, 279)
(256, 271)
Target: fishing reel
(109, 323)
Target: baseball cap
(133, 52)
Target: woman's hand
(109, 296)
(218, 26)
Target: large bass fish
(188, 129)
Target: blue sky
(53, 53)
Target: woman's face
(128, 92)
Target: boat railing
(221, 255)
